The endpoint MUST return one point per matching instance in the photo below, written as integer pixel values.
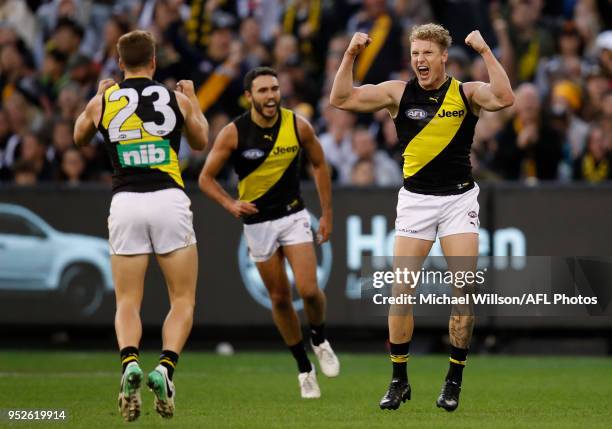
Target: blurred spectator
(336, 142)
(52, 76)
(72, 167)
(606, 113)
(5, 134)
(33, 151)
(588, 22)
(24, 173)
(67, 37)
(604, 52)
(596, 86)
(107, 57)
(527, 147)
(595, 165)
(199, 26)
(306, 20)
(70, 102)
(362, 173)
(386, 172)
(220, 73)
(383, 57)
(61, 141)
(388, 140)
(337, 46)
(566, 102)
(17, 15)
(256, 53)
(568, 62)
(523, 40)
(285, 51)
(458, 64)
(14, 68)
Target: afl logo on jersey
(253, 154)
(416, 114)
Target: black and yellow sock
(457, 360)
(169, 359)
(128, 354)
(299, 353)
(399, 356)
(317, 333)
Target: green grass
(259, 390)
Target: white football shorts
(427, 216)
(150, 222)
(264, 238)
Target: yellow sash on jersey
(133, 122)
(378, 34)
(437, 134)
(284, 151)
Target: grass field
(259, 390)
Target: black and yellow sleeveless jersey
(436, 129)
(267, 163)
(141, 123)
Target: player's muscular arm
(222, 149)
(87, 122)
(492, 96)
(196, 125)
(312, 147)
(365, 98)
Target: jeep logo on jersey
(279, 150)
(144, 154)
(416, 114)
(253, 154)
(254, 284)
(448, 114)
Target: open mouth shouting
(423, 72)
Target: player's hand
(242, 208)
(476, 42)
(186, 87)
(325, 229)
(104, 85)
(358, 43)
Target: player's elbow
(202, 142)
(506, 100)
(78, 138)
(338, 102)
(204, 181)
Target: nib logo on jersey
(254, 283)
(144, 154)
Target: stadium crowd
(558, 55)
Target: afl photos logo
(254, 284)
(416, 114)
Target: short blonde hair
(433, 33)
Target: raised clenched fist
(186, 87)
(476, 42)
(358, 43)
(104, 85)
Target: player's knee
(280, 299)
(311, 295)
(184, 305)
(128, 306)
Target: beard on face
(259, 107)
